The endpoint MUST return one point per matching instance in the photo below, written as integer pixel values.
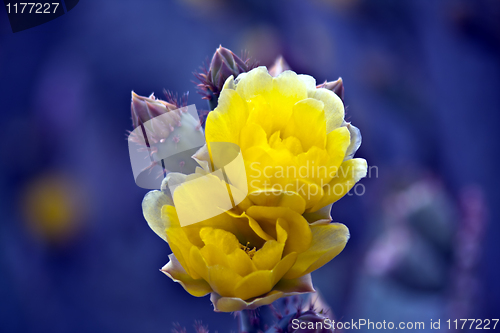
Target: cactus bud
(147, 108)
(224, 64)
(278, 67)
(169, 133)
(336, 86)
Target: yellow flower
(297, 152)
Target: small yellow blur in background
(52, 206)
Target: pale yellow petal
(355, 141)
(328, 241)
(152, 207)
(334, 108)
(349, 173)
(176, 272)
(309, 81)
(253, 83)
(229, 84)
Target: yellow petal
(293, 145)
(282, 234)
(254, 284)
(315, 165)
(262, 113)
(275, 198)
(176, 272)
(256, 227)
(224, 124)
(221, 239)
(309, 81)
(290, 86)
(297, 228)
(241, 263)
(287, 90)
(253, 83)
(310, 191)
(252, 135)
(268, 256)
(283, 266)
(334, 108)
(349, 173)
(198, 263)
(169, 217)
(307, 124)
(337, 143)
(213, 255)
(283, 288)
(328, 241)
(151, 205)
(202, 198)
(245, 233)
(223, 280)
(181, 247)
(227, 221)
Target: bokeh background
(422, 80)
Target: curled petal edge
(283, 288)
(174, 270)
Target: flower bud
(147, 108)
(224, 64)
(278, 67)
(167, 134)
(336, 86)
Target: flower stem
(254, 321)
(248, 319)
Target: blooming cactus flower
(297, 151)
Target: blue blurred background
(422, 82)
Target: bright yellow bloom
(297, 152)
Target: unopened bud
(278, 67)
(336, 86)
(146, 108)
(224, 64)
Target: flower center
(248, 250)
